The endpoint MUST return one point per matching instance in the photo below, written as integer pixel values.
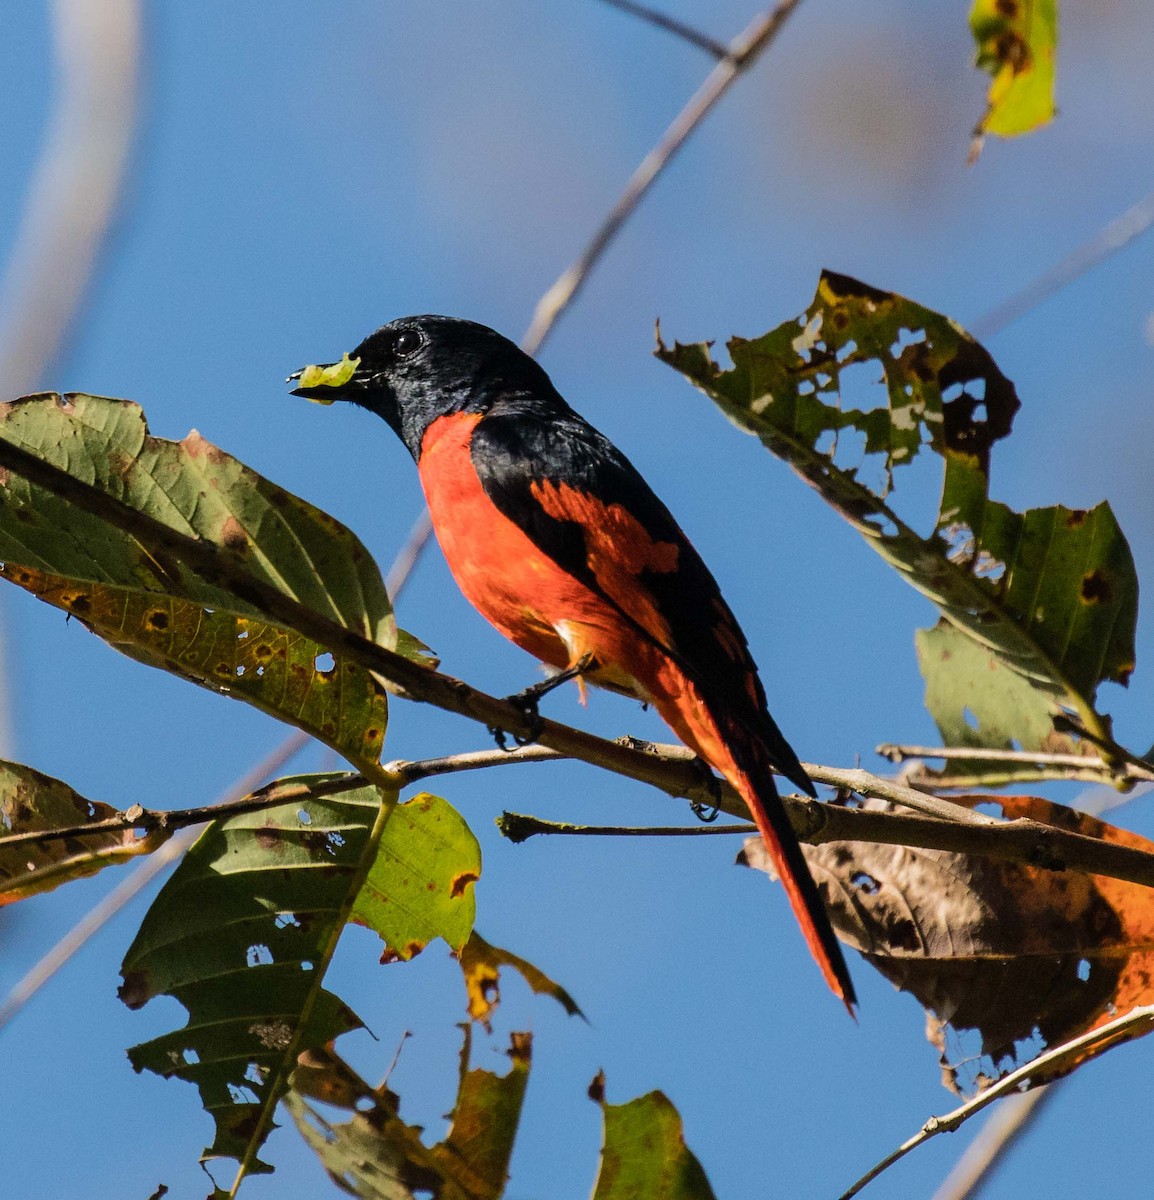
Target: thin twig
(1061, 1058)
(408, 555)
(150, 820)
(143, 874)
(520, 827)
(74, 194)
(897, 753)
(1118, 234)
(1000, 1133)
(671, 25)
(741, 54)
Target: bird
(556, 538)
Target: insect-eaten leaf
(241, 936)
(32, 803)
(481, 964)
(1009, 960)
(149, 604)
(275, 669)
(1017, 43)
(420, 885)
(377, 1156)
(643, 1151)
(1050, 594)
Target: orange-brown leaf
(1008, 959)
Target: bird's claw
(528, 702)
(707, 813)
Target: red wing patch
(618, 551)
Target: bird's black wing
(582, 503)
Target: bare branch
(982, 1156)
(742, 53)
(74, 194)
(897, 753)
(671, 25)
(520, 827)
(1118, 234)
(1136, 1023)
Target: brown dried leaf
(31, 802)
(1022, 957)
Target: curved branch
(1053, 1062)
(741, 54)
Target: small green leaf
(420, 885)
(242, 935)
(1017, 44)
(644, 1152)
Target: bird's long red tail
(777, 833)
(745, 762)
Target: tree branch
(1053, 1062)
(1086, 767)
(671, 25)
(740, 55)
(675, 771)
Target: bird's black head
(416, 369)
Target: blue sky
(303, 174)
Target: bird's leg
(707, 813)
(529, 699)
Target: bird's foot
(529, 701)
(707, 813)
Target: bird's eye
(407, 341)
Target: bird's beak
(327, 383)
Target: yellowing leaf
(1017, 45)
(420, 885)
(481, 965)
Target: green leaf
(1017, 42)
(242, 935)
(168, 616)
(1050, 593)
(644, 1152)
(376, 1156)
(481, 964)
(420, 885)
(31, 802)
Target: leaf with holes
(156, 609)
(377, 1156)
(32, 803)
(1051, 593)
(481, 964)
(236, 655)
(1008, 959)
(420, 885)
(242, 935)
(1017, 43)
(644, 1151)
